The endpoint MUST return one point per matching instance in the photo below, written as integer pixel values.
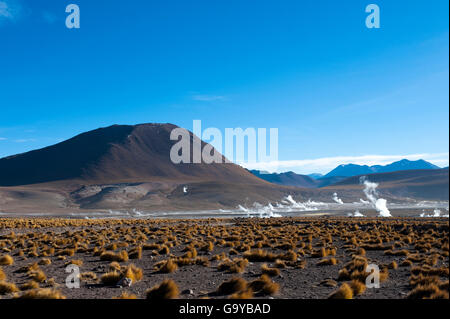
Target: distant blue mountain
(348, 170)
(315, 175)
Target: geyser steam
(371, 193)
(337, 199)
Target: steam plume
(370, 191)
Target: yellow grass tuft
(126, 295)
(122, 256)
(42, 293)
(134, 273)
(29, 285)
(168, 266)
(232, 286)
(168, 289)
(393, 265)
(111, 278)
(344, 292)
(7, 287)
(135, 253)
(6, 260)
(272, 272)
(77, 262)
(88, 276)
(37, 275)
(45, 262)
(327, 261)
(357, 287)
(264, 285)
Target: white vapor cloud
(3, 138)
(9, 10)
(325, 164)
(207, 98)
(25, 140)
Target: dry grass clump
(7, 287)
(45, 262)
(167, 266)
(126, 295)
(259, 255)
(429, 271)
(357, 287)
(37, 275)
(280, 263)
(272, 272)
(6, 260)
(208, 247)
(402, 252)
(114, 266)
(29, 285)
(42, 293)
(234, 285)
(88, 276)
(344, 292)
(233, 266)
(77, 262)
(319, 253)
(355, 269)
(122, 256)
(165, 250)
(168, 289)
(2, 274)
(428, 291)
(66, 252)
(264, 286)
(393, 265)
(134, 273)
(327, 261)
(110, 278)
(406, 263)
(135, 253)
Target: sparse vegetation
(278, 249)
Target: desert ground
(290, 257)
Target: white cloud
(326, 164)
(207, 98)
(9, 9)
(25, 140)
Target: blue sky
(337, 91)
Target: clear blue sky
(312, 69)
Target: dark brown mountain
(115, 154)
(125, 167)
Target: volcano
(115, 154)
(125, 167)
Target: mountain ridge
(348, 170)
